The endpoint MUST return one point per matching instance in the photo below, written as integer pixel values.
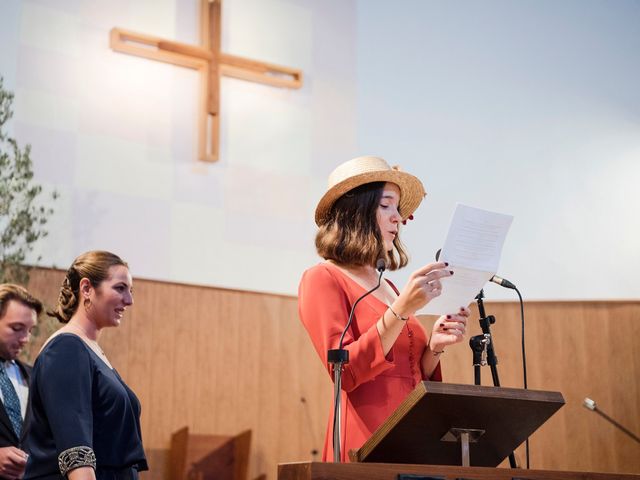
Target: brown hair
(94, 266)
(351, 236)
(9, 291)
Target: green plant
(22, 218)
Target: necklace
(85, 336)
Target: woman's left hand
(449, 329)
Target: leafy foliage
(22, 219)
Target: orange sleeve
(324, 309)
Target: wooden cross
(211, 62)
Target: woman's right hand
(423, 286)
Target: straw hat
(363, 170)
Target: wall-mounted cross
(211, 62)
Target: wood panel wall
(221, 361)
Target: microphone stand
(478, 345)
(484, 343)
(338, 358)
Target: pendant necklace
(85, 336)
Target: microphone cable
(524, 363)
(507, 284)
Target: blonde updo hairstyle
(94, 266)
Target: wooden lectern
(425, 437)
(448, 424)
(209, 457)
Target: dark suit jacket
(8, 437)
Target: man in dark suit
(19, 312)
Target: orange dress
(372, 385)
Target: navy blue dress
(81, 413)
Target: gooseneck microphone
(338, 358)
(381, 266)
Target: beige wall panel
(221, 361)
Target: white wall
(530, 108)
(116, 135)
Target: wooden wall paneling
(290, 378)
(253, 393)
(314, 395)
(625, 407)
(248, 363)
(611, 351)
(593, 330)
(284, 374)
(542, 345)
(185, 371)
(294, 371)
(209, 336)
(585, 362)
(161, 399)
(271, 391)
(315, 387)
(237, 327)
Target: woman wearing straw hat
(390, 352)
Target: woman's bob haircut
(351, 236)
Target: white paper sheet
(472, 248)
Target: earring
(86, 304)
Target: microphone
(588, 403)
(591, 405)
(503, 282)
(381, 266)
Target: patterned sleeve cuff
(76, 457)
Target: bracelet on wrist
(403, 319)
(436, 353)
